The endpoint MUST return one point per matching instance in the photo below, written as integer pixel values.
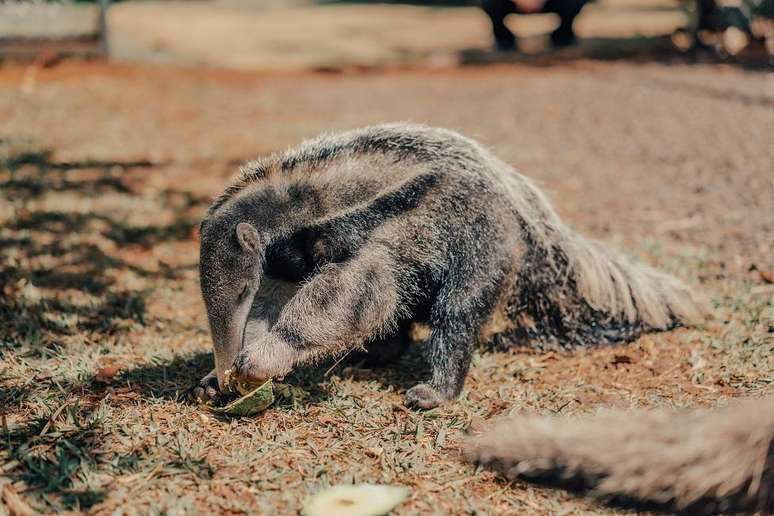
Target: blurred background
(326, 34)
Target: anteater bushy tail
(709, 461)
(630, 291)
(624, 294)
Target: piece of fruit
(234, 384)
(251, 403)
(355, 500)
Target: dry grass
(106, 171)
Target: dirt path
(107, 169)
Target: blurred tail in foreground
(705, 461)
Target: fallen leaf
(107, 373)
(355, 500)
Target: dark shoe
(563, 38)
(505, 42)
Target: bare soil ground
(106, 171)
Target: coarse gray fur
(388, 225)
(705, 461)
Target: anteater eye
(243, 293)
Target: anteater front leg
(207, 388)
(341, 307)
(455, 320)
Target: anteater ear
(248, 237)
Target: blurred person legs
(505, 40)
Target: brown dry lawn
(106, 171)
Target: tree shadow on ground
(174, 379)
(52, 450)
(169, 379)
(64, 271)
(45, 251)
(401, 374)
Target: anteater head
(231, 262)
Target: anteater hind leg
(382, 351)
(455, 321)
